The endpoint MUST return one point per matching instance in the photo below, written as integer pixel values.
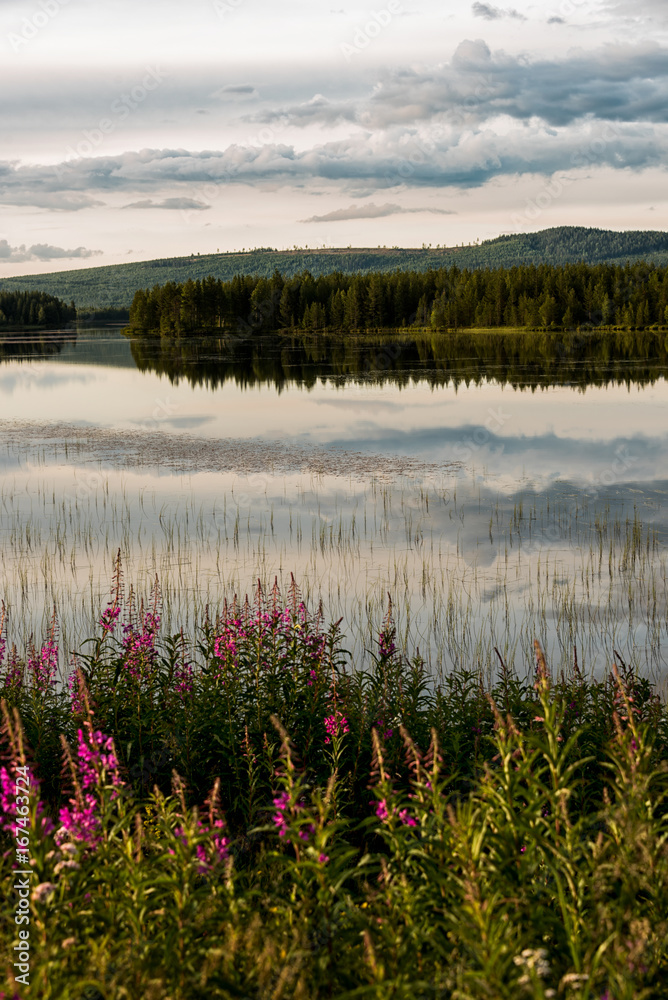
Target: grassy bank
(260, 819)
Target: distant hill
(97, 288)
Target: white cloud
(372, 211)
(180, 204)
(42, 251)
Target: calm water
(492, 496)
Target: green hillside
(114, 286)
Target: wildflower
(323, 859)
(14, 670)
(76, 704)
(183, 680)
(336, 725)
(139, 647)
(42, 892)
(281, 802)
(574, 979)
(109, 617)
(43, 665)
(66, 866)
(533, 960)
(8, 813)
(97, 765)
(382, 811)
(68, 942)
(406, 818)
(385, 731)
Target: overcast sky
(132, 131)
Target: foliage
(33, 309)
(254, 819)
(113, 286)
(542, 296)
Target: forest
(33, 309)
(97, 289)
(633, 296)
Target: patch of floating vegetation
(183, 453)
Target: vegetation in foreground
(530, 296)
(255, 819)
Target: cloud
(232, 91)
(490, 13)
(617, 82)
(318, 110)
(41, 251)
(439, 156)
(371, 211)
(189, 204)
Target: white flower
(42, 892)
(66, 865)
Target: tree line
(633, 296)
(34, 309)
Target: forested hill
(114, 286)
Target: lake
(497, 487)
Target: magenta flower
(382, 811)
(139, 647)
(323, 859)
(14, 671)
(97, 765)
(183, 680)
(8, 792)
(109, 617)
(336, 725)
(43, 665)
(281, 802)
(406, 818)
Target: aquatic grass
(584, 571)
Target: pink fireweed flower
(385, 730)
(281, 802)
(79, 823)
(406, 818)
(97, 765)
(76, 703)
(183, 680)
(323, 859)
(336, 725)
(109, 617)
(8, 793)
(43, 665)
(382, 811)
(13, 671)
(386, 644)
(385, 810)
(139, 647)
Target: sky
(135, 131)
